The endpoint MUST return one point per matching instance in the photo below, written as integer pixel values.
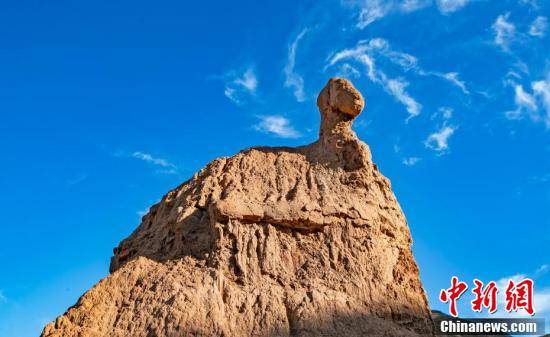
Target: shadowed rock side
(300, 241)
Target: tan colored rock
(303, 241)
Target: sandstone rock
(302, 241)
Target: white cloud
(277, 125)
(153, 160)
(381, 46)
(348, 71)
(439, 140)
(449, 6)
(165, 166)
(453, 77)
(374, 10)
(240, 85)
(542, 91)
(504, 31)
(292, 79)
(539, 26)
(364, 53)
(413, 5)
(376, 46)
(524, 99)
(411, 161)
(541, 297)
(248, 80)
(530, 104)
(397, 88)
(445, 112)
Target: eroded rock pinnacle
(302, 241)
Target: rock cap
(340, 96)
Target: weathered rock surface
(303, 241)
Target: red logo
(452, 294)
(485, 297)
(518, 296)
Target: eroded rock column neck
(339, 103)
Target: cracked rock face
(302, 241)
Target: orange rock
(302, 241)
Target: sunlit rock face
(302, 241)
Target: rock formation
(302, 241)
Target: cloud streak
(450, 6)
(372, 11)
(439, 140)
(504, 31)
(365, 52)
(453, 77)
(538, 27)
(292, 79)
(240, 85)
(535, 105)
(165, 167)
(410, 161)
(542, 91)
(277, 125)
(375, 10)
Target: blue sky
(106, 105)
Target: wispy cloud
(449, 6)
(292, 78)
(453, 77)
(364, 53)
(529, 104)
(410, 161)
(371, 11)
(166, 167)
(504, 31)
(239, 85)
(374, 10)
(445, 112)
(397, 88)
(439, 140)
(524, 99)
(539, 26)
(277, 125)
(348, 71)
(373, 47)
(542, 91)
